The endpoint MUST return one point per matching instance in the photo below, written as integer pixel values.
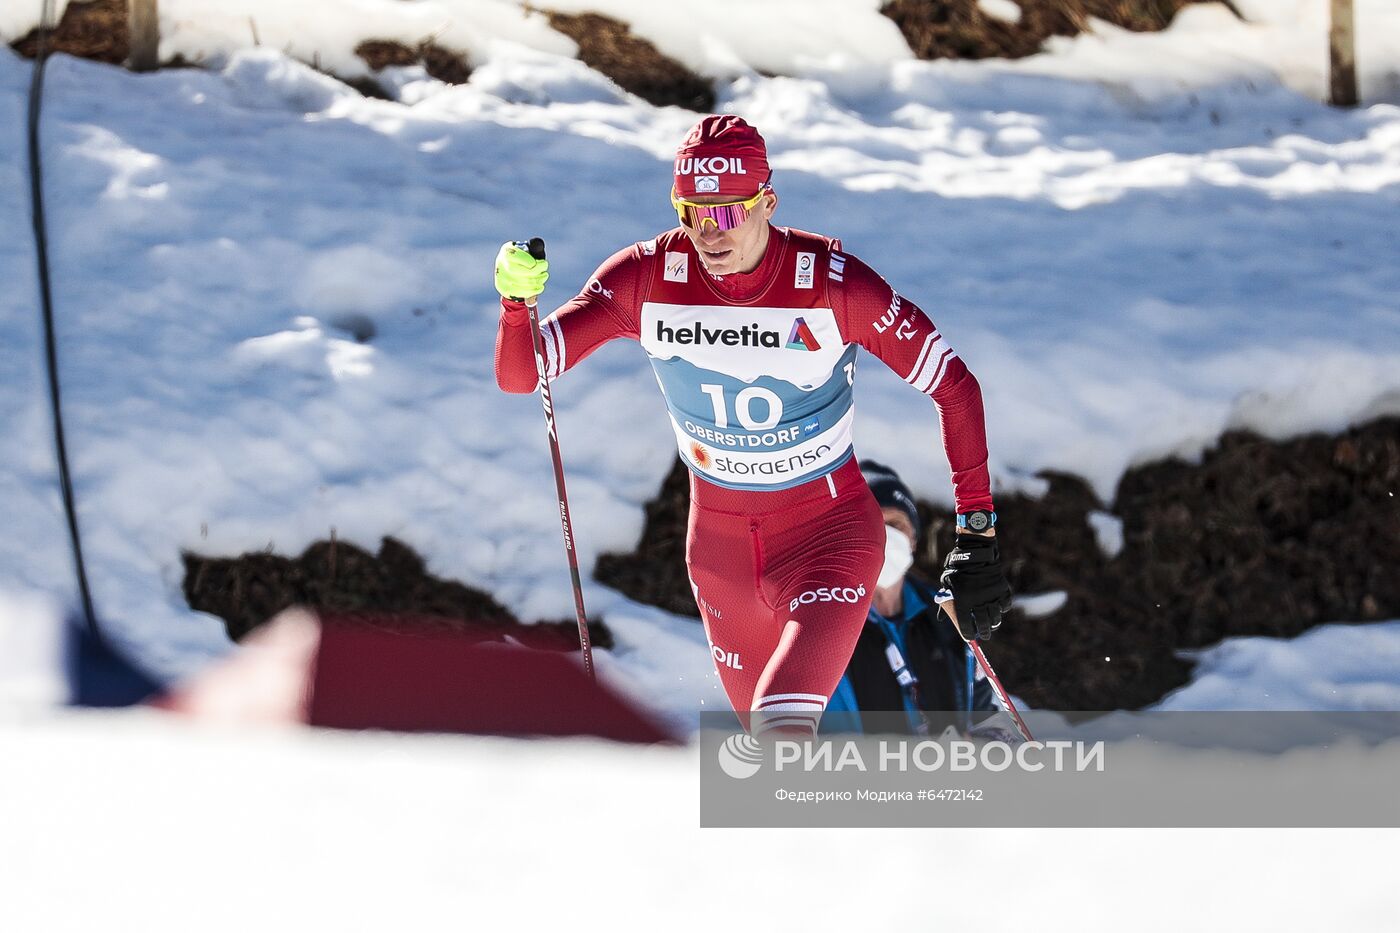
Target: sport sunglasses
(723, 216)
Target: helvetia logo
(741, 756)
(802, 337)
(747, 335)
(698, 334)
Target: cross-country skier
(752, 330)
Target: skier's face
(740, 249)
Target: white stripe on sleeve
(559, 346)
(923, 356)
(549, 334)
(931, 365)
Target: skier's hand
(972, 573)
(518, 274)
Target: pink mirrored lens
(725, 216)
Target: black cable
(41, 246)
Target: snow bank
(1280, 41)
(329, 30)
(326, 32)
(153, 819)
(1335, 667)
(727, 38)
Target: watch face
(978, 521)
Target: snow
(326, 32)
(276, 316)
(1279, 41)
(729, 38)
(1006, 10)
(1283, 41)
(1108, 531)
(1333, 667)
(329, 30)
(31, 652)
(236, 828)
(1039, 605)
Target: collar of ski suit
(741, 286)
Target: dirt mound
(394, 585)
(443, 64)
(95, 30)
(1260, 538)
(962, 29)
(607, 45)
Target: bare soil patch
(96, 29)
(607, 45)
(391, 589)
(962, 29)
(441, 63)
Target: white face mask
(899, 557)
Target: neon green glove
(518, 274)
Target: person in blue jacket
(910, 656)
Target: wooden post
(1342, 43)
(144, 30)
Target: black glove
(972, 573)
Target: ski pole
(1001, 691)
(971, 675)
(1005, 698)
(535, 247)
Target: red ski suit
(785, 540)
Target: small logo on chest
(805, 264)
(677, 268)
(802, 337)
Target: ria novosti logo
(741, 756)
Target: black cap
(891, 492)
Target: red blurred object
(383, 672)
(366, 678)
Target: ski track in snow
(1129, 267)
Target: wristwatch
(978, 520)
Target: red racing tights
(784, 580)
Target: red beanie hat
(721, 155)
